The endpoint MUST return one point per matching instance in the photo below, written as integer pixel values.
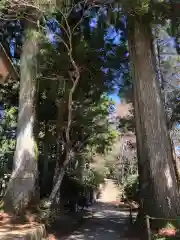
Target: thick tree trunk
(159, 190)
(22, 186)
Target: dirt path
(107, 221)
(109, 191)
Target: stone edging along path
(28, 231)
(33, 231)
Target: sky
(115, 98)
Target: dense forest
(61, 132)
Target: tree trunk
(57, 185)
(22, 186)
(157, 175)
(60, 152)
(44, 178)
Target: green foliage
(121, 161)
(7, 139)
(97, 126)
(111, 170)
(127, 124)
(92, 178)
(32, 34)
(140, 7)
(3, 4)
(45, 214)
(165, 238)
(8, 124)
(91, 130)
(36, 150)
(131, 188)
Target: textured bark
(57, 185)
(44, 177)
(60, 148)
(22, 186)
(159, 190)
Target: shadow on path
(107, 223)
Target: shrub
(3, 184)
(131, 188)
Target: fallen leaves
(167, 232)
(51, 237)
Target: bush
(131, 188)
(45, 213)
(93, 178)
(3, 184)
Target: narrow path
(109, 191)
(107, 223)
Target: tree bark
(22, 186)
(44, 178)
(57, 185)
(159, 189)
